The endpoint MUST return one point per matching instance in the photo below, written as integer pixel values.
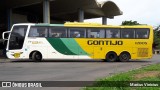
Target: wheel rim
(124, 57)
(38, 57)
(111, 57)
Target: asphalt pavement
(65, 70)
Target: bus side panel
(37, 44)
(142, 49)
(65, 48)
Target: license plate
(17, 55)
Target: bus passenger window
(77, 32)
(36, 31)
(33, 32)
(128, 33)
(142, 33)
(112, 33)
(145, 36)
(42, 33)
(96, 33)
(57, 32)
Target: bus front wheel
(124, 57)
(37, 56)
(111, 57)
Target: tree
(130, 23)
(156, 43)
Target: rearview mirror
(5, 35)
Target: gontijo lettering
(104, 42)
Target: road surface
(65, 70)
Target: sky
(142, 11)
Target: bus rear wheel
(37, 56)
(124, 57)
(111, 57)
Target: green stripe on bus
(73, 46)
(58, 45)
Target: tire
(111, 57)
(124, 57)
(36, 56)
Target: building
(53, 11)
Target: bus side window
(57, 32)
(142, 33)
(33, 32)
(77, 32)
(128, 33)
(112, 33)
(145, 36)
(95, 33)
(37, 31)
(42, 33)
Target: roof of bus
(78, 24)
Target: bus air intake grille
(142, 52)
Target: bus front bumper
(15, 55)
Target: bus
(73, 40)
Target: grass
(148, 73)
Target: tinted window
(77, 32)
(112, 33)
(57, 32)
(127, 33)
(142, 33)
(38, 31)
(95, 33)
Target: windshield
(17, 37)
